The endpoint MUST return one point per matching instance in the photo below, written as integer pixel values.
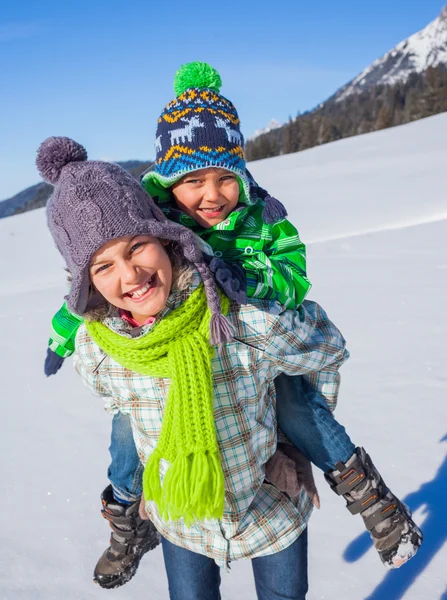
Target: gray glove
(231, 279)
(290, 472)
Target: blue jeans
(280, 576)
(125, 470)
(304, 417)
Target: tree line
(421, 95)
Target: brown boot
(131, 538)
(395, 535)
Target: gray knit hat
(94, 202)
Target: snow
(429, 46)
(426, 48)
(274, 124)
(373, 211)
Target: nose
(211, 191)
(128, 271)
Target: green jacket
(272, 256)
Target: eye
(228, 177)
(102, 268)
(193, 181)
(136, 246)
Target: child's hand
(142, 509)
(304, 473)
(231, 279)
(290, 472)
(53, 363)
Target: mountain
(427, 48)
(274, 124)
(37, 195)
(408, 83)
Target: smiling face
(208, 195)
(133, 273)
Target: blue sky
(101, 71)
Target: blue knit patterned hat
(198, 129)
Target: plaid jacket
(258, 519)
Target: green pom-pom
(199, 75)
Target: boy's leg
(131, 536)
(284, 574)
(303, 415)
(191, 576)
(395, 535)
(125, 471)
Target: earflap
(78, 296)
(157, 189)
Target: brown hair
(182, 274)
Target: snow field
(373, 212)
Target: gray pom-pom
(56, 152)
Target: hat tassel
(221, 330)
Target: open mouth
(215, 211)
(143, 291)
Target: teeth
(216, 209)
(138, 293)
(141, 291)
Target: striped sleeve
(279, 271)
(64, 327)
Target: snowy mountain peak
(274, 124)
(426, 48)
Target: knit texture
(94, 202)
(196, 74)
(272, 259)
(178, 348)
(200, 128)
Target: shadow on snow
(432, 495)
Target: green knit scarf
(178, 348)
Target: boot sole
(126, 575)
(124, 578)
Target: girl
(203, 421)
